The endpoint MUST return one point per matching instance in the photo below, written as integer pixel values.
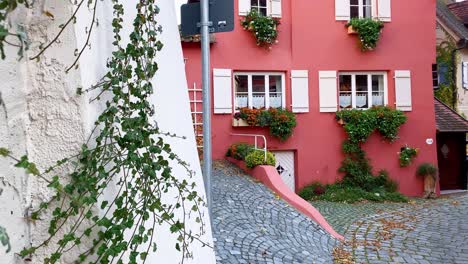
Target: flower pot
(239, 123)
(351, 30)
(429, 187)
(341, 122)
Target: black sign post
(221, 17)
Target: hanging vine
(126, 148)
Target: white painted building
(41, 116)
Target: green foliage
(427, 169)
(311, 191)
(359, 124)
(368, 31)
(445, 93)
(358, 182)
(257, 157)
(280, 121)
(263, 28)
(407, 155)
(239, 150)
(16, 38)
(4, 239)
(342, 193)
(128, 150)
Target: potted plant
(407, 155)
(429, 172)
(368, 31)
(263, 28)
(238, 121)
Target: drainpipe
(454, 71)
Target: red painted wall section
(311, 39)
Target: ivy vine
(359, 125)
(126, 148)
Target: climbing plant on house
(447, 91)
(126, 148)
(359, 125)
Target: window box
(239, 122)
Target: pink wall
(317, 42)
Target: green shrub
(427, 169)
(368, 31)
(407, 155)
(239, 150)
(257, 157)
(311, 191)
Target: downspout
(454, 72)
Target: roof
(460, 10)
(451, 21)
(448, 120)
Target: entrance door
(285, 167)
(451, 155)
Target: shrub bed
(252, 157)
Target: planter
(341, 122)
(351, 30)
(429, 187)
(239, 123)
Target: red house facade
(307, 71)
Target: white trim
(369, 86)
(267, 90)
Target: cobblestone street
(433, 231)
(252, 225)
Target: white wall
(41, 116)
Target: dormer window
(361, 8)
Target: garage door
(285, 167)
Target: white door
(285, 167)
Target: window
(361, 8)
(362, 90)
(259, 90)
(260, 5)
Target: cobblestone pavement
(252, 225)
(433, 231)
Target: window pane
(262, 11)
(378, 90)
(254, 2)
(361, 91)
(354, 2)
(367, 2)
(241, 86)
(354, 11)
(275, 88)
(345, 91)
(367, 12)
(263, 3)
(258, 91)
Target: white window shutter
(385, 10)
(275, 8)
(403, 90)
(328, 91)
(342, 10)
(300, 91)
(465, 74)
(222, 84)
(244, 7)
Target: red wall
(311, 39)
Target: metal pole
(206, 93)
